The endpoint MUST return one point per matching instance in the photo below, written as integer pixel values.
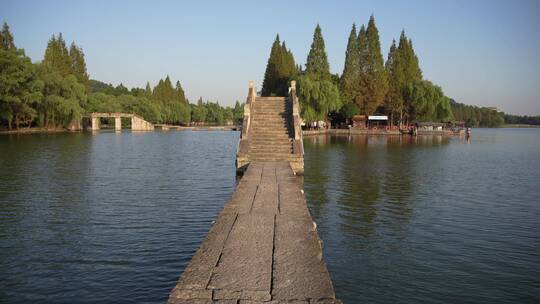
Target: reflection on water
(429, 218)
(107, 217)
(115, 217)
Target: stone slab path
(263, 247)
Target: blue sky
(481, 52)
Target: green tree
(317, 61)
(403, 70)
(238, 112)
(350, 79)
(279, 70)
(374, 80)
(6, 38)
(57, 56)
(427, 102)
(63, 98)
(317, 89)
(318, 93)
(78, 65)
(20, 88)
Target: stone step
(261, 112)
(270, 98)
(271, 141)
(290, 157)
(269, 105)
(271, 126)
(271, 150)
(260, 115)
(269, 134)
(275, 122)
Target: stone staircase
(269, 132)
(270, 138)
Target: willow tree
(318, 94)
(427, 102)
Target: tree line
(368, 84)
(57, 92)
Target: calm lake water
(116, 217)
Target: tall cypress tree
(279, 70)
(317, 92)
(363, 51)
(271, 73)
(350, 79)
(180, 92)
(403, 70)
(411, 67)
(78, 64)
(317, 61)
(6, 38)
(374, 81)
(57, 56)
(148, 90)
(394, 100)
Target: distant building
(493, 109)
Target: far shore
(36, 130)
(519, 126)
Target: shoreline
(62, 130)
(238, 128)
(353, 131)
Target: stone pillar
(118, 123)
(138, 124)
(94, 123)
(135, 124)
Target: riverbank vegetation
(57, 92)
(370, 85)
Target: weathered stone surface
(182, 294)
(291, 200)
(266, 200)
(299, 272)
(246, 260)
(257, 296)
(199, 270)
(263, 248)
(243, 197)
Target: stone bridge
(264, 246)
(137, 122)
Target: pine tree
(279, 70)
(271, 73)
(317, 61)
(78, 64)
(374, 82)
(363, 51)
(6, 38)
(180, 92)
(411, 67)
(403, 70)
(317, 92)
(394, 99)
(57, 56)
(148, 90)
(350, 79)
